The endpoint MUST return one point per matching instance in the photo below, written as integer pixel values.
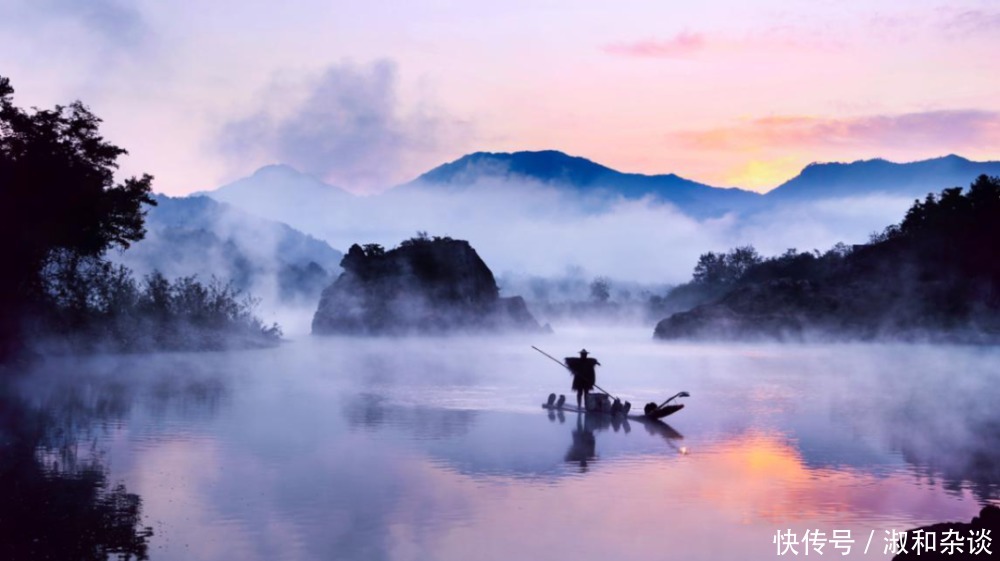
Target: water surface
(414, 449)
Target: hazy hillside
(816, 181)
(934, 275)
(914, 179)
(199, 236)
(580, 174)
(543, 213)
(281, 193)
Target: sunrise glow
(725, 93)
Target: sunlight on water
(349, 448)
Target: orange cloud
(950, 131)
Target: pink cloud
(681, 45)
(951, 130)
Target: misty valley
(281, 369)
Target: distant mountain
(816, 181)
(280, 192)
(865, 177)
(200, 236)
(562, 170)
(546, 166)
(462, 197)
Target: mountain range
(816, 181)
(280, 192)
(540, 213)
(555, 168)
(914, 179)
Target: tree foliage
(717, 274)
(600, 290)
(90, 303)
(950, 241)
(935, 272)
(57, 186)
(58, 193)
(725, 268)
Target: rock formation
(423, 286)
(954, 541)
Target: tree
(725, 268)
(600, 289)
(711, 269)
(374, 250)
(742, 259)
(57, 194)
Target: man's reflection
(584, 447)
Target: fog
(537, 229)
(197, 236)
(348, 128)
(379, 448)
(542, 242)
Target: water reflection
(971, 460)
(58, 502)
(373, 411)
(663, 430)
(940, 419)
(331, 453)
(584, 447)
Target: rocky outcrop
(424, 285)
(954, 540)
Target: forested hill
(934, 275)
(200, 236)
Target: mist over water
(437, 448)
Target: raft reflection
(584, 442)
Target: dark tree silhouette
(600, 290)
(725, 268)
(57, 192)
(936, 274)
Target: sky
(367, 95)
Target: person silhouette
(584, 375)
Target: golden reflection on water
(347, 463)
(725, 501)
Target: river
(438, 449)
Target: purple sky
(367, 95)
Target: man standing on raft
(584, 375)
